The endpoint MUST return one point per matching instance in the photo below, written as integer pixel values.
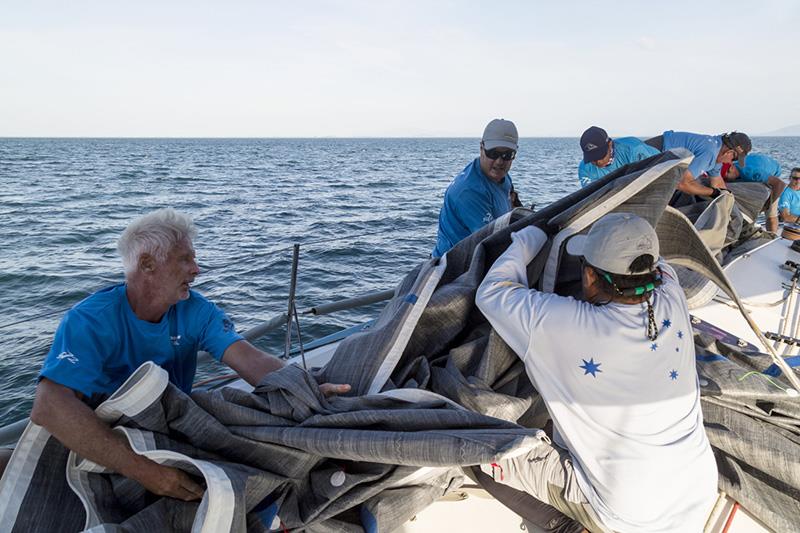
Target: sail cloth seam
(144, 441)
(136, 394)
(591, 216)
(78, 481)
(419, 304)
(409, 324)
(419, 395)
(216, 511)
(17, 478)
(418, 476)
(133, 396)
(219, 499)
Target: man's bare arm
(59, 410)
(252, 365)
(249, 362)
(689, 185)
(787, 216)
(718, 182)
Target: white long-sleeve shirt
(627, 408)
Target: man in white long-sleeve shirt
(617, 373)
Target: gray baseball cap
(500, 133)
(615, 241)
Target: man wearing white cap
(482, 191)
(617, 373)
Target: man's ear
(147, 263)
(590, 275)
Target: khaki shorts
(547, 474)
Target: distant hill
(788, 131)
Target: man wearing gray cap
(482, 191)
(617, 374)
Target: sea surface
(364, 211)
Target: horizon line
(325, 137)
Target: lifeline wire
(207, 269)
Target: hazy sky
(407, 68)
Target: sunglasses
(795, 178)
(494, 153)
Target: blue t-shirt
(704, 147)
(790, 199)
(626, 150)
(470, 202)
(758, 167)
(101, 342)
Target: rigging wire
(210, 268)
(288, 247)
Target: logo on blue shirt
(68, 356)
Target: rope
(652, 327)
(756, 373)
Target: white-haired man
(153, 316)
(617, 374)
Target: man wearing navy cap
(482, 191)
(603, 155)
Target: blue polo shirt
(626, 150)
(790, 199)
(471, 201)
(101, 342)
(704, 147)
(758, 167)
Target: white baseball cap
(615, 241)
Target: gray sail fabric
(281, 457)
(754, 429)
(712, 225)
(751, 197)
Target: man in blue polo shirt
(153, 316)
(759, 168)
(603, 155)
(710, 152)
(789, 202)
(482, 191)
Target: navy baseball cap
(594, 143)
(740, 143)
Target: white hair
(156, 234)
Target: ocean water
(364, 211)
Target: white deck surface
(762, 295)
